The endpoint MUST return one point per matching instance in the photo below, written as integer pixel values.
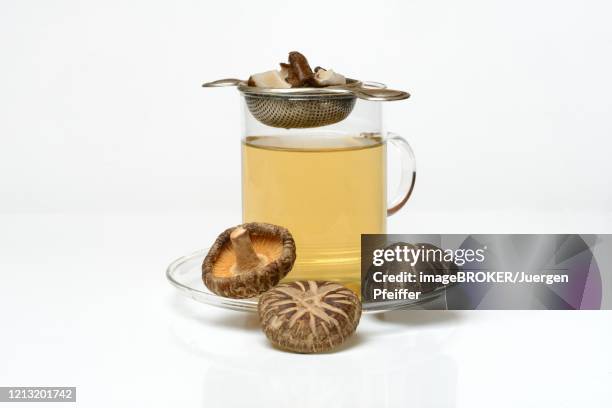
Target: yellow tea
(326, 190)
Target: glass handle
(408, 176)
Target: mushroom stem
(246, 257)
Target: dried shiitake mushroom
(299, 71)
(296, 74)
(309, 316)
(248, 259)
(269, 79)
(327, 77)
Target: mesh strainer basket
(299, 112)
(307, 107)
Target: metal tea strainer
(308, 107)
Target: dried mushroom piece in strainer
(248, 260)
(309, 316)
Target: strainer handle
(223, 82)
(408, 176)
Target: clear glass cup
(327, 185)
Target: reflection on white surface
(388, 363)
(104, 319)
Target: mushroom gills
(246, 253)
(246, 258)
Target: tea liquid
(327, 191)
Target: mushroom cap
(274, 242)
(309, 316)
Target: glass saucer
(185, 274)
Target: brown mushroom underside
(300, 73)
(274, 245)
(309, 316)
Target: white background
(102, 109)
(113, 161)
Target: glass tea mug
(322, 178)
